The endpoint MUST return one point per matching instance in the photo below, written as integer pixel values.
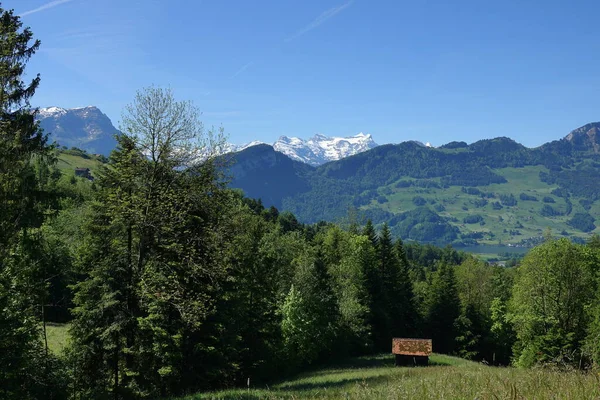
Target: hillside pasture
(447, 377)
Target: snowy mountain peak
(321, 149)
(232, 148)
(51, 112)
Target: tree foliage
(26, 367)
(553, 288)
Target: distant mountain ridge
(91, 130)
(86, 128)
(491, 191)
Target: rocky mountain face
(86, 128)
(586, 138)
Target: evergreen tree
(406, 320)
(443, 308)
(470, 333)
(369, 232)
(348, 257)
(248, 309)
(386, 309)
(26, 369)
(310, 313)
(152, 273)
(474, 280)
(378, 306)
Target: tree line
(173, 283)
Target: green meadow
(446, 377)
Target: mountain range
(91, 130)
(317, 150)
(493, 191)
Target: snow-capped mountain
(86, 128)
(321, 149)
(232, 148)
(89, 129)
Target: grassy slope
(526, 213)
(68, 163)
(448, 378)
(57, 335)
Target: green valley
(492, 192)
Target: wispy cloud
(46, 6)
(239, 71)
(320, 20)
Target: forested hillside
(493, 191)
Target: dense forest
(172, 283)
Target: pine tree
(248, 310)
(25, 367)
(378, 313)
(310, 313)
(369, 232)
(407, 321)
(152, 272)
(443, 308)
(385, 306)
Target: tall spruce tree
(379, 317)
(349, 257)
(310, 312)
(369, 231)
(443, 308)
(25, 367)
(249, 308)
(406, 322)
(386, 309)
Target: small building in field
(412, 351)
(84, 173)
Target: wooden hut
(412, 351)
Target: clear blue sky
(433, 71)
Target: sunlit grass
(446, 378)
(68, 162)
(57, 335)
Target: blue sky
(425, 70)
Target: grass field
(68, 162)
(446, 378)
(376, 377)
(57, 335)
